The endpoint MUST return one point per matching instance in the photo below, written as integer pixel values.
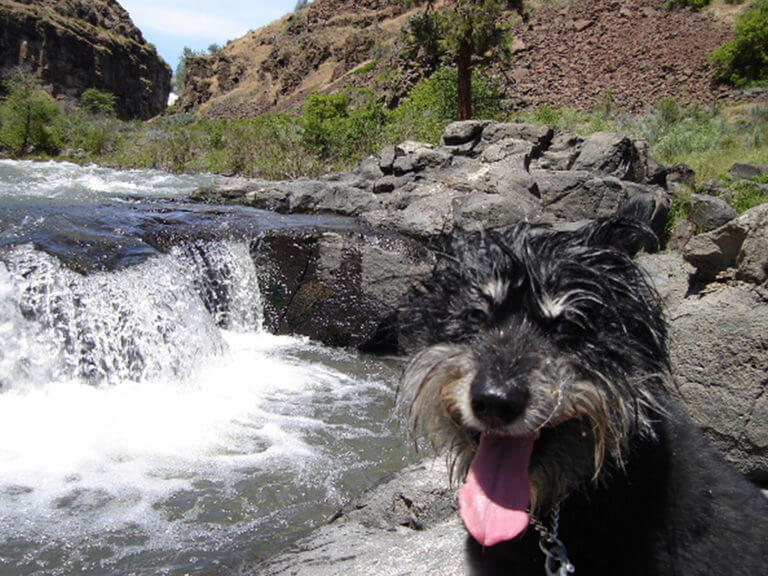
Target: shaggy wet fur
(558, 333)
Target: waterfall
(148, 425)
(140, 323)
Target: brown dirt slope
(573, 53)
(630, 52)
(276, 67)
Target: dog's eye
(477, 316)
(563, 327)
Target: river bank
(711, 276)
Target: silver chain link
(556, 561)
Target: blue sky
(173, 24)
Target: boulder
(458, 133)
(608, 154)
(719, 350)
(340, 287)
(562, 152)
(479, 211)
(649, 170)
(406, 525)
(710, 212)
(752, 261)
(742, 243)
(596, 196)
(742, 171)
(418, 156)
(539, 137)
(668, 272)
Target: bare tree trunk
(464, 64)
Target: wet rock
(413, 513)
(338, 287)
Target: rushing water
(148, 425)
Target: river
(148, 424)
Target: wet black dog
(543, 367)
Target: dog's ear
(622, 232)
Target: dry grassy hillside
(633, 53)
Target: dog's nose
(497, 406)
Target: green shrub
(694, 4)
(93, 135)
(28, 115)
(675, 131)
(747, 194)
(343, 127)
(601, 119)
(744, 60)
(433, 103)
(97, 102)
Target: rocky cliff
(74, 45)
(630, 54)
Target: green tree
(97, 102)
(469, 28)
(182, 66)
(28, 114)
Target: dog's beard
(576, 420)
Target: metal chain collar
(556, 561)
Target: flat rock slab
(408, 525)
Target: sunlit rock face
(73, 45)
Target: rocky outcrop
(276, 67)
(73, 45)
(345, 287)
(483, 174)
(413, 194)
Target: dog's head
(542, 354)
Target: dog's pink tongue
(497, 491)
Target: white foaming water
(64, 180)
(147, 425)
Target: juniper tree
(468, 28)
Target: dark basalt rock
(73, 45)
(340, 287)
